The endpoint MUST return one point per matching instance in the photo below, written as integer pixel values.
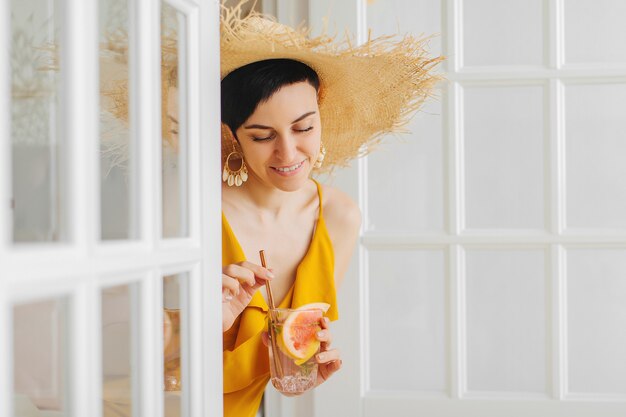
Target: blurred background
(490, 277)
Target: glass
(117, 342)
(39, 362)
(116, 168)
(173, 116)
(174, 330)
(292, 347)
(36, 128)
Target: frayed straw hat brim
(366, 91)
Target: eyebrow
(255, 126)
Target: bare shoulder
(343, 220)
(341, 213)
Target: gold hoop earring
(236, 177)
(320, 156)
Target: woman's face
(281, 139)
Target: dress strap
(319, 195)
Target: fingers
(247, 272)
(230, 288)
(325, 338)
(328, 356)
(332, 367)
(241, 274)
(324, 335)
(329, 362)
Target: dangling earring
(237, 177)
(320, 156)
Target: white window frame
(81, 267)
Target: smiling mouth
(289, 168)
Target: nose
(285, 148)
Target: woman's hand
(239, 283)
(328, 360)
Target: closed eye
(256, 139)
(304, 130)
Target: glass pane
(174, 289)
(117, 342)
(36, 135)
(115, 146)
(174, 143)
(39, 337)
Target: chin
(292, 184)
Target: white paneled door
(490, 277)
(109, 208)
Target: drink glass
(291, 372)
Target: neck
(267, 200)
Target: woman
(292, 105)
(272, 114)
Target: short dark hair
(243, 89)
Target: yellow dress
(246, 364)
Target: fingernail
(270, 274)
(321, 333)
(321, 357)
(326, 320)
(228, 297)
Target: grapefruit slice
(298, 335)
(312, 306)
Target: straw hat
(366, 91)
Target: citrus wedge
(298, 335)
(313, 306)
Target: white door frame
(79, 268)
